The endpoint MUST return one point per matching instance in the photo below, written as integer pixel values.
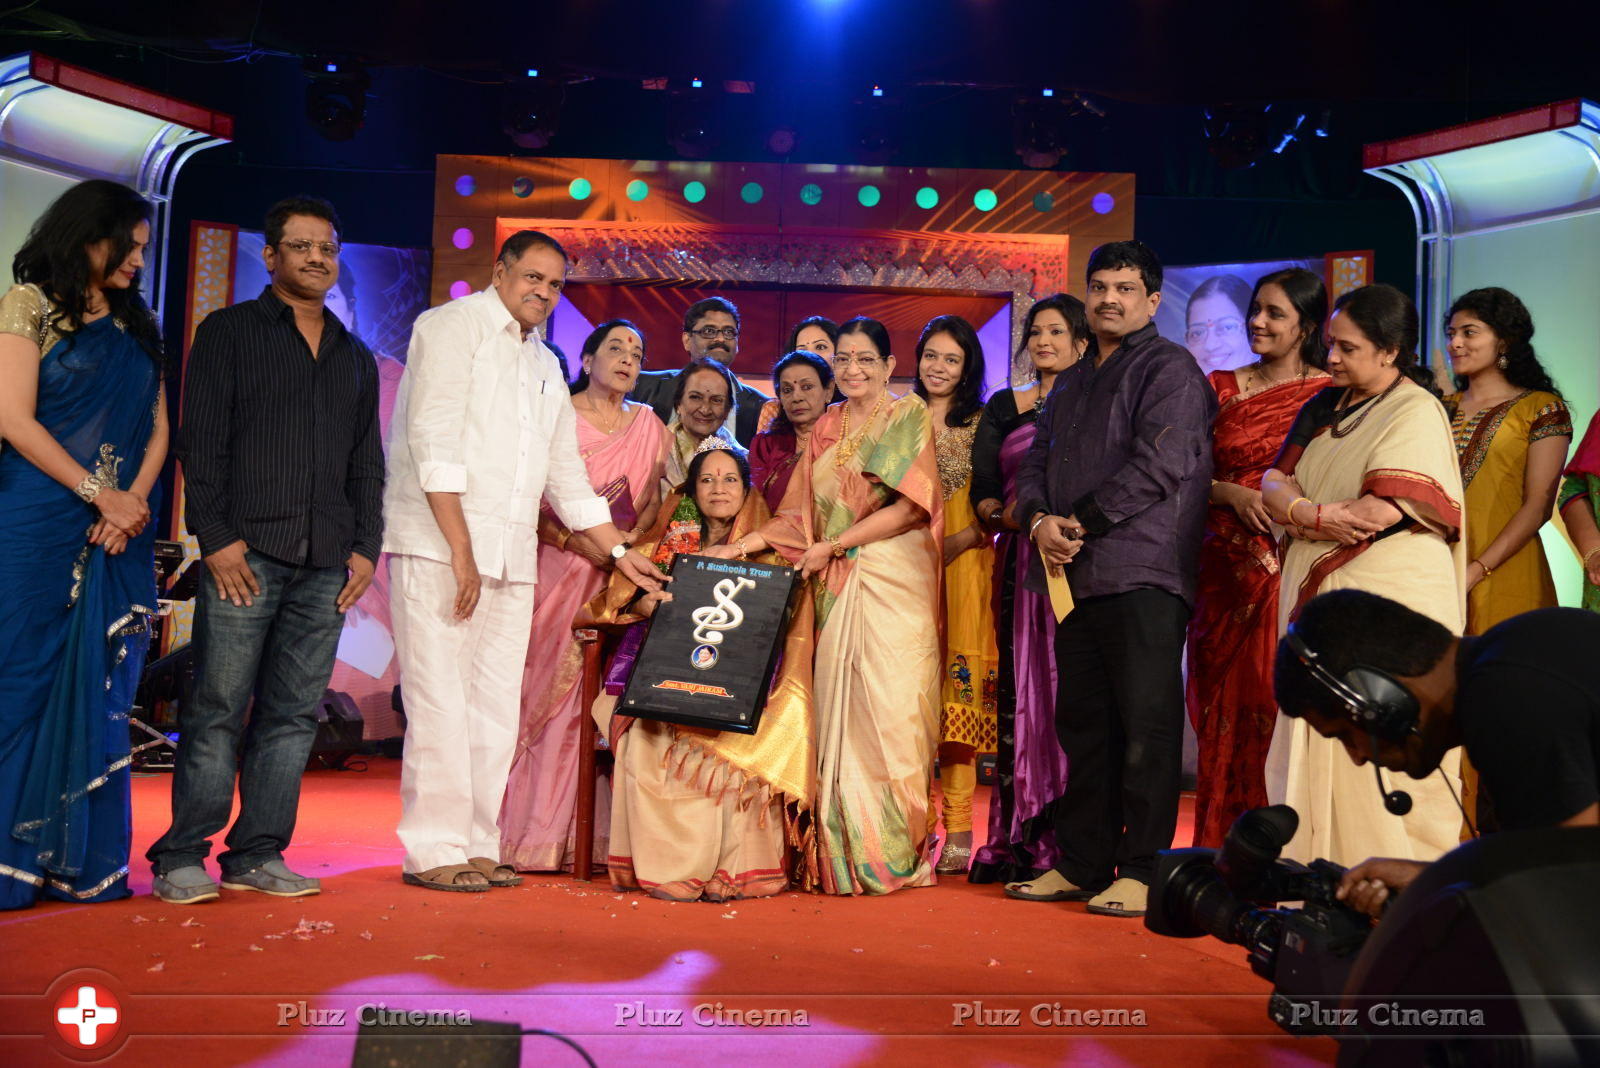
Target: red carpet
(930, 974)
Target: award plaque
(708, 656)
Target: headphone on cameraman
(1377, 702)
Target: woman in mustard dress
(950, 380)
(1512, 432)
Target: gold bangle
(838, 546)
(1289, 511)
(1487, 570)
(743, 552)
(1590, 556)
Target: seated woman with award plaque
(698, 814)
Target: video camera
(1306, 953)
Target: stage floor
(955, 974)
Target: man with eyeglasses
(710, 328)
(283, 471)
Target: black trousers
(1119, 717)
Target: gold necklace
(847, 448)
(594, 411)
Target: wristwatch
(619, 550)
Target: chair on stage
(591, 641)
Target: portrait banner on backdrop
(708, 657)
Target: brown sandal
(492, 872)
(446, 877)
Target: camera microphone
(1398, 802)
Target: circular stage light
(1103, 203)
(459, 289)
(751, 193)
(694, 192)
(869, 196)
(811, 193)
(985, 200)
(462, 238)
(466, 185)
(522, 187)
(1044, 201)
(927, 198)
(580, 189)
(637, 190)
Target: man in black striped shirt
(283, 468)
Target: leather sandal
(1051, 886)
(497, 874)
(446, 877)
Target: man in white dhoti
(483, 428)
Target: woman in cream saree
(1373, 503)
(699, 814)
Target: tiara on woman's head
(713, 442)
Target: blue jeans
(279, 650)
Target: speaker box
(339, 730)
(481, 1044)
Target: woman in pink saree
(623, 444)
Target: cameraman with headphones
(1396, 688)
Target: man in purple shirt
(1114, 489)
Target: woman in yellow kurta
(1368, 487)
(699, 814)
(950, 379)
(859, 520)
(1511, 432)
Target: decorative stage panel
(1017, 234)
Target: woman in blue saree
(85, 434)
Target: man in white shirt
(483, 429)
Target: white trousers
(462, 686)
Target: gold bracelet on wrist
(89, 488)
(1590, 555)
(1289, 511)
(743, 552)
(1487, 570)
(838, 546)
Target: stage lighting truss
(336, 98)
(531, 111)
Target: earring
(1502, 362)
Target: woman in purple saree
(1031, 767)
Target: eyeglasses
(302, 248)
(1226, 328)
(711, 333)
(866, 361)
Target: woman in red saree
(1234, 630)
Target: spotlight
(876, 123)
(336, 99)
(1047, 92)
(691, 124)
(781, 141)
(696, 83)
(531, 109)
(1288, 136)
(1039, 130)
(1239, 136)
